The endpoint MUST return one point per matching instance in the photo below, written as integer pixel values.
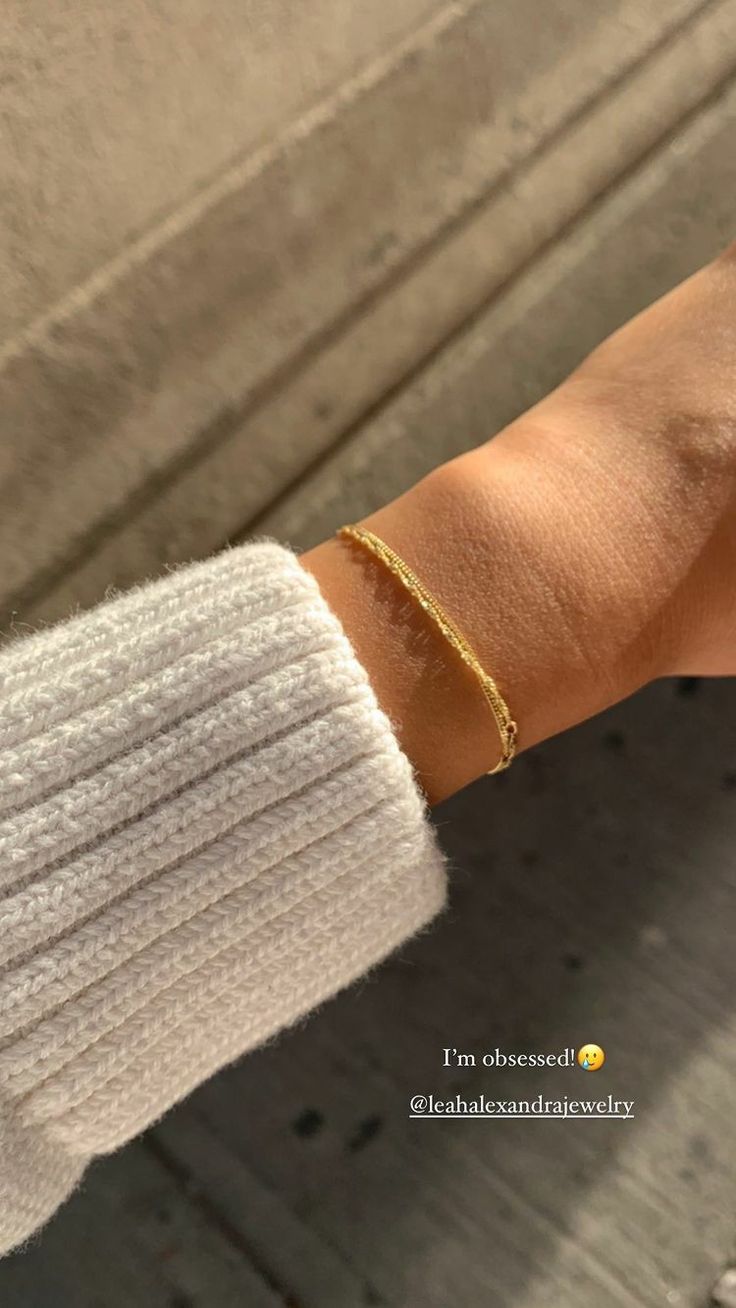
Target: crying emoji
(591, 1057)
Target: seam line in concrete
(139, 251)
(180, 1175)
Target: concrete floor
(262, 287)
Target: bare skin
(586, 550)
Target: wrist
(489, 548)
(433, 702)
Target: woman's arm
(206, 823)
(586, 550)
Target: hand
(586, 550)
(647, 428)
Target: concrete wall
(264, 264)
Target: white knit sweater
(206, 828)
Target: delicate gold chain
(507, 728)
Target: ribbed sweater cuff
(206, 828)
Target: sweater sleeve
(207, 827)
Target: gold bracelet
(507, 728)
